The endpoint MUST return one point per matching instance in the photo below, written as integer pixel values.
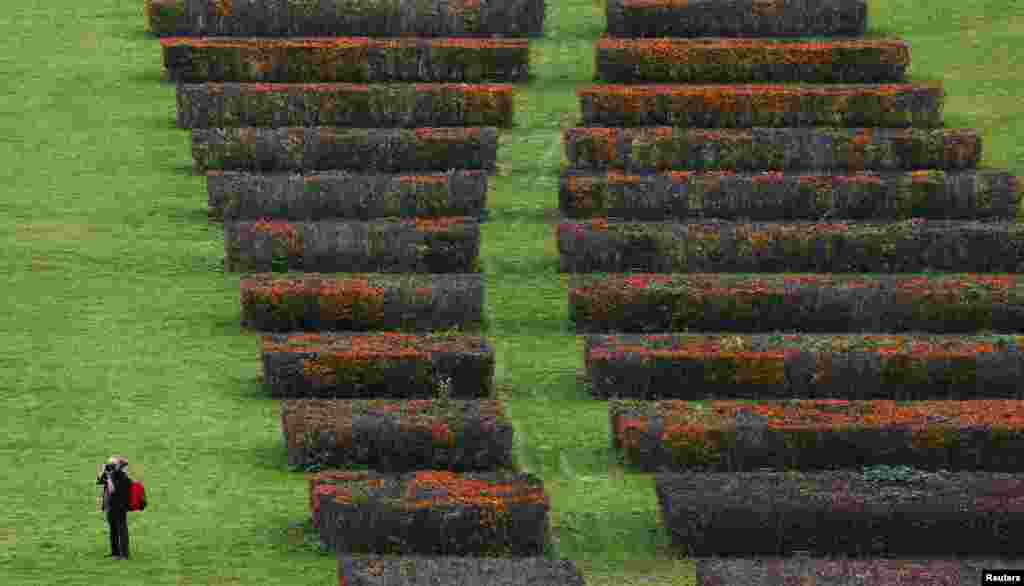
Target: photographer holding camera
(116, 493)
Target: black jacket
(122, 490)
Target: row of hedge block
(714, 246)
(379, 18)
(382, 365)
(345, 59)
(813, 366)
(329, 148)
(810, 303)
(742, 106)
(843, 513)
(895, 195)
(728, 436)
(390, 245)
(724, 60)
(240, 195)
(433, 512)
(650, 149)
(736, 18)
(763, 571)
(211, 105)
(397, 436)
(361, 302)
(377, 570)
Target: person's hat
(118, 461)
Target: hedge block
(380, 365)
(845, 572)
(916, 105)
(844, 513)
(360, 302)
(212, 105)
(242, 195)
(163, 15)
(728, 436)
(724, 60)
(375, 570)
(397, 435)
(899, 195)
(736, 18)
(812, 366)
(486, 514)
(325, 482)
(809, 303)
(713, 246)
(386, 150)
(383, 18)
(661, 148)
(441, 245)
(345, 59)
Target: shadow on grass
(253, 387)
(228, 325)
(136, 34)
(191, 215)
(271, 456)
(508, 266)
(632, 534)
(298, 537)
(153, 75)
(205, 264)
(581, 381)
(166, 124)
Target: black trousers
(118, 532)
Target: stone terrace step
(847, 572)
(345, 59)
(722, 60)
(899, 195)
(698, 366)
(649, 149)
(746, 105)
(387, 18)
(740, 18)
(712, 246)
(844, 513)
(729, 436)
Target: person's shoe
(115, 557)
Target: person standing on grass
(116, 492)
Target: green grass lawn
(121, 330)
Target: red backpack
(137, 497)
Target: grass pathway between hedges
(121, 335)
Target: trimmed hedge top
(375, 344)
(784, 414)
(258, 43)
(600, 346)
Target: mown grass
(121, 330)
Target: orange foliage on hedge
(262, 43)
